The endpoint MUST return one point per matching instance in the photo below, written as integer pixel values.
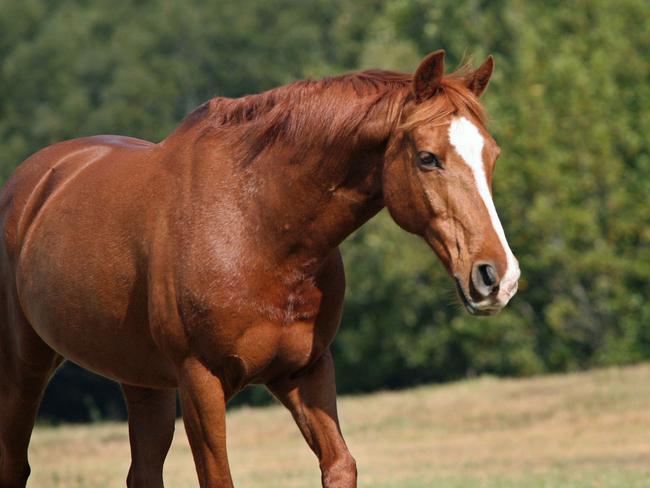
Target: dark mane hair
(335, 107)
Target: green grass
(580, 430)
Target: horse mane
(335, 107)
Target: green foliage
(570, 102)
(570, 108)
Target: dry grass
(580, 430)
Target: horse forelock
(452, 97)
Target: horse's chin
(476, 309)
(483, 312)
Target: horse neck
(307, 191)
(334, 188)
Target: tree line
(569, 105)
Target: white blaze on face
(468, 143)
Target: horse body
(130, 290)
(210, 260)
(109, 281)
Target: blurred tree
(570, 108)
(569, 101)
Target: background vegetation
(579, 430)
(570, 108)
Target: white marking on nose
(468, 142)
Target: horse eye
(429, 160)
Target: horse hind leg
(152, 415)
(26, 365)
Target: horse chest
(305, 327)
(257, 335)
(266, 351)
(257, 321)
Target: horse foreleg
(203, 401)
(311, 398)
(152, 414)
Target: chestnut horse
(210, 261)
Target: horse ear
(428, 75)
(479, 79)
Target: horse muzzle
(496, 293)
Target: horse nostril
(488, 274)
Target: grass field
(579, 430)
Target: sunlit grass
(580, 430)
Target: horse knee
(341, 473)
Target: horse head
(437, 182)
